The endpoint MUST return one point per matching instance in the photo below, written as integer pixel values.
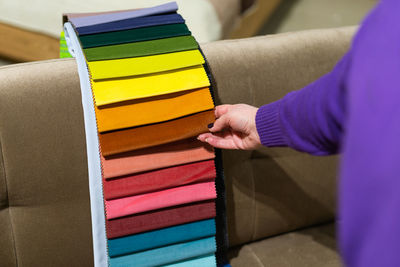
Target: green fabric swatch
(64, 53)
(134, 35)
(138, 49)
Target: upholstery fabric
(134, 35)
(269, 191)
(161, 199)
(197, 262)
(104, 69)
(138, 49)
(159, 179)
(312, 247)
(156, 134)
(181, 152)
(161, 237)
(160, 219)
(82, 20)
(46, 205)
(151, 110)
(150, 85)
(131, 23)
(168, 254)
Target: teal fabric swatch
(144, 48)
(163, 237)
(206, 261)
(167, 255)
(134, 35)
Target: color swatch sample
(152, 96)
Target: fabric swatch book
(157, 194)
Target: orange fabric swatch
(151, 110)
(172, 154)
(155, 134)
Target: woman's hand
(234, 128)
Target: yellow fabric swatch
(105, 69)
(152, 110)
(117, 90)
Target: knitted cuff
(268, 125)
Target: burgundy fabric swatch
(160, 219)
(171, 154)
(159, 179)
(180, 195)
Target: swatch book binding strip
(157, 194)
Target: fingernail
(206, 140)
(210, 125)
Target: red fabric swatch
(160, 219)
(172, 154)
(159, 179)
(161, 199)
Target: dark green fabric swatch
(138, 49)
(134, 35)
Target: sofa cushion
(312, 247)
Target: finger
(221, 110)
(202, 137)
(220, 142)
(220, 124)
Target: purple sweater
(354, 110)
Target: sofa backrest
(44, 196)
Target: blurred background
(30, 30)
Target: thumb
(220, 123)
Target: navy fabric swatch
(162, 237)
(133, 23)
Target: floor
(294, 15)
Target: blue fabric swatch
(167, 255)
(132, 23)
(163, 237)
(206, 261)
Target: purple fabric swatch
(134, 23)
(105, 18)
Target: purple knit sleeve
(310, 119)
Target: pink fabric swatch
(161, 199)
(172, 154)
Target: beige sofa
(281, 203)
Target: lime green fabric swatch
(138, 49)
(134, 35)
(64, 53)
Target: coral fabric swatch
(131, 23)
(152, 110)
(117, 90)
(105, 69)
(138, 49)
(159, 179)
(160, 219)
(162, 237)
(134, 35)
(161, 199)
(168, 254)
(88, 19)
(155, 134)
(172, 154)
